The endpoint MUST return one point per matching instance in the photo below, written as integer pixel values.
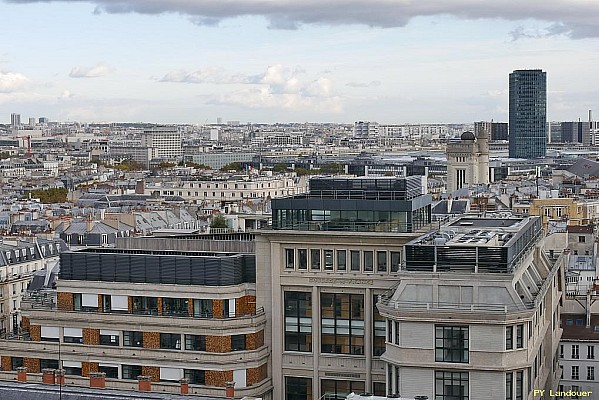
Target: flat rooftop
(486, 222)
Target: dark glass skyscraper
(528, 113)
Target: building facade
(165, 140)
(165, 314)
(528, 114)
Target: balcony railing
(452, 307)
(48, 303)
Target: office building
(331, 253)
(167, 315)
(165, 140)
(528, 114)
(475, 313)
(15, 120)
(468, 159)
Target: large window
(175, 307)
(171, 341)
(520, 336)
(238, 342)
(509, 337)
(195, 342)
(111, 371)
(144, 305)
(575, 349)
(85, 302)
(133, 339)
(131, 371)
(451, 344)
(451, 385)
(298, 388)
(328, 260)
(395, 261)
(48, 364)
(342, 323)
(509, 386)
(338, 390)
(378, 329)
(368, 261)
(109, 338)
(195, 376)
(355, 260)
(202, 308)
(16, 362)
(298, 321)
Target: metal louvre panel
(238, 270)
(168, 270)
(249, 268)
(183, 271)
(92, 265)
(152, 273)
(108, 267)
(227, 272)
(138, 269)
(420, 258)
(456, 258)
(198, 271)
(212, 272)
(492, 259)
(66, 266)
(123, 264)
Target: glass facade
(528, 114)
(298, 321)
(342, 323)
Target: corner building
(475, 313)
(163, 314)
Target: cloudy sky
(392, 61)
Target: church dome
(468, 136)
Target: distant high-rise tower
(528, 114)
(15, 120)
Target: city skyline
(192, 62)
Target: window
(74, 370)
(328, 260)
(561, 351)
(341, 260)
(238, 342)
(590, 373)
(379, 330)
(355, 260)
(298, 388)
(368, 261)
(144, 305)
(298, 321)
(519, 336)
(202, 308)
(72, 335)
(171, 341)
(333, 389)
(315, 259)
(389, 331)
(509, 385)
(195, 376)
(397, 332)
(519, 385)
(395, 261)
(133, 339)
(575, 351)
(509, 337)
(111, 371)
(451, 344)
(48, 364)
(289, 258)
(131, 371)
(381, 261)
(176, 307)
(16, 362)
(195, 342)
(109, 338)
(302, 258)
(450, 385)
(342, 321)
(575, 388)
(575, 372)
(85, 302)
(591, 352)
(581, 239)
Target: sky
(266, 61)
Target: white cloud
(576, 18)
(364, 84)
(12, 82)
(96, 71)
(206, 75)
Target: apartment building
(475, 313)
(164, 314)
(20, 257)
(230, 190)
(579, 367)
(166, 140)
(331, 253)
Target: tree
(52, 195)
(333, 168)
(279, 167)
(218, 221)
(234, 166)
(197, 166)
(130, 165)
